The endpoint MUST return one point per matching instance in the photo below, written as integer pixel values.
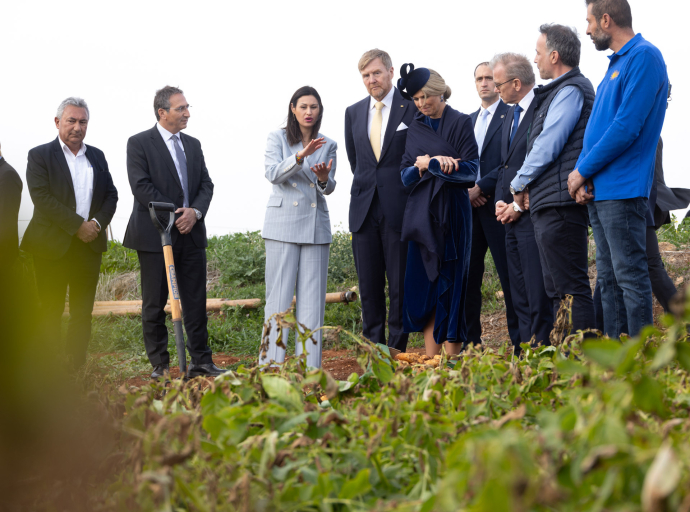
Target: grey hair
(162, 98)
(75, 102)
(517, 66)
(563, 40)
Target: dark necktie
(182, 161)
(516, 122)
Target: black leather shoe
(204, 370)
(160, 370)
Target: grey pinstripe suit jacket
(297, 211)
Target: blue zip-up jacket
(625, 125)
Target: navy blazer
(513, 156)
(383, 175)
(153, 178)
(490, 157)
(55, 220)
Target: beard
(601, 40)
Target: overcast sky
(240, 62)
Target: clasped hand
(447, 164)
(579, 188)
(186, 221)
(505, 213)
(88, 231)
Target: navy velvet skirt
(446, 295)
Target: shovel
(173, 290)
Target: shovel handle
(173, 289)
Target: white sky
(239, 64)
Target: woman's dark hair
(292, 129)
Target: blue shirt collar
(630, 44)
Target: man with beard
(375, 136)
(617, 161)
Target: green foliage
(593, 425)
(341, 262)
(118, 259)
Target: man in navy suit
(487, 233)
(375, 137)
(514, 81)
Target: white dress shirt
(167, 138)
(489, 116)
(524, 103)
(82, 178)
(385, 113)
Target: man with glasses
(514, 80)
(165, 165)
(486, 232)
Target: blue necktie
(182, 161)
(516, 123)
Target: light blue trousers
(301, 270)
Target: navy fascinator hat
(412, 80)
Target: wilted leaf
(661, 480)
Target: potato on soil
(433, 363)
(424, 358)
(408, 358)
(437, 357)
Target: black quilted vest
(551, 188)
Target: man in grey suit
(375, 137)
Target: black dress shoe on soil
(204, 370)
(160, 370)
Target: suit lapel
(95, 167)
(496, 122)
(523, 128)
(60, 156)
(162, 149)
(362, 128)
(474, 116)
(396, 116)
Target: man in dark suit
(165, 165)
(486, 232)
(375, 136)
(10, 199)
(74, 200)
(514, 80)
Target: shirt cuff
(98, 223)
(519, 183)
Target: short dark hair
(565, 41)
(480, 64)
(292, 129)
(618, 10)
(162, 98)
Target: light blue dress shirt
(561, 118)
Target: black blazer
(10, 199)
(383, 175)
(55, 220)
(490, 157)
(153, 177)
(513, 156)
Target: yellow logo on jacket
(615, 75)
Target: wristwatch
(198, 214)
(513, 191)
(516, 207)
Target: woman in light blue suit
(297, 228)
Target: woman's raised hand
(322, 170)
(312, 147)
(448, 164)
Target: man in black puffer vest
(560, 224)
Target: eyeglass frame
(179, 110)
(498, 86)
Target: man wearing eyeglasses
(167, 166)
(514, 81)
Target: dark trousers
(561, 234)
(487, 233)
(190, 267)
(662, 285)
(378, 254)
(79, 269)
(532, 305)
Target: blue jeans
(619, 228)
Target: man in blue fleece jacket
(616, 167)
